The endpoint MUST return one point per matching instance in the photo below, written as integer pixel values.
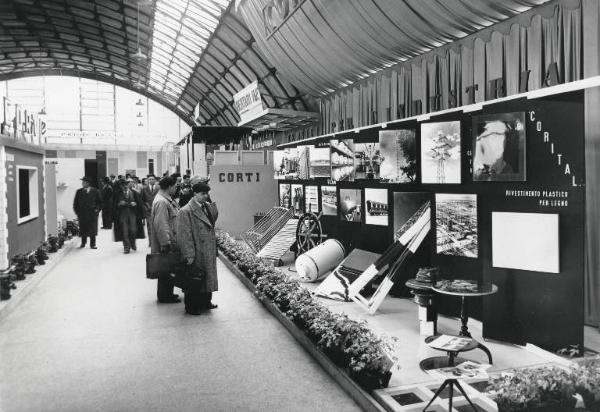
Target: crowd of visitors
(179, 217)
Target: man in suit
(130, 212)
(87, 205)
(107, 203)
(148, 193)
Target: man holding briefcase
(162, 234)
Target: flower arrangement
(349, 344)
(529, 389)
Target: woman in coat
(197, 242)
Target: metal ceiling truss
(96, 39)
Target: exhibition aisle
(92, 337)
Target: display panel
(329, 200)
(285, 195)
(499, 147)
(351, 205)
(526, 241)
(398, 153)
(440, 152)
(285, 163)
(303, 162)
(297, 193)
(312, 199)
(342, 160)
(456, 223)
(320, 165)
(406, 204)
(376, 207)
(367, 160)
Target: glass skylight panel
(180, 34)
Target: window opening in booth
(27, 199)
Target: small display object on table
(367, 160)
(398, 154)
(329, 200)
(440, 152)
(342, 160)
(376, 207)
(456, 224)
(351, 205)
(499, 147)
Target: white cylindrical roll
(319, 260)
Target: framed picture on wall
(297, 193)
(285, 163)
(311, 203)
(367, 160)
(319, 162)
(304, 162)
(499, 147)
(406, 204)
(351, 205)
(285, 195)
(456, 224)
(440, 152)
(342, 160)
(329, 200)
(376, 207)
(398, 156)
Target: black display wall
(536, 307)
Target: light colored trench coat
(162, 221)
(196, 239)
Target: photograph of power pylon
(440, 152)
(456, 224)
(398, 156)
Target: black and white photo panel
(342, 160)
(285, 195)
(367, 160)
(456, 224)
(499, 147)
(406, 206)
(376, 207)
(440, 152)
(311, 199)
(526, 241)
(297, 192)
(350, 205)
(285, 163)
(329, 200)
(320, 165)
(398, 156)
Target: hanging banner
(248, 102)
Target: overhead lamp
(139, 102)
(42, 111)
(140, 124)
(138, 55)
(139, 114)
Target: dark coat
(148, 198)
(86, 205)
(139, 214)
(196, 240)
(107, 198)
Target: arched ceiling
(323, 45)
(197, 51)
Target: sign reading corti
(248, 102)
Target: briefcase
(159, 264)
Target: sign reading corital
(248, 102)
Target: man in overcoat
(161, 228)
(129, 218)
(148, 193)
(87, 205)
(107, 203)
(197, 243)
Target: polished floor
(91, 337)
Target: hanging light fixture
(139, 114)
(139, 102)
(140, 124)
(139, 55)
(42, 111)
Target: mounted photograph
(456, 223)
(350, 205)
(440, 152)
(398, 154)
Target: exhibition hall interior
(300, 205)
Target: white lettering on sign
(248, 102)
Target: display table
(425, 298)
(452, 359)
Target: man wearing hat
(197, 242)
(129, 217)
(87, 205)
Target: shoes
(193, 312)
(82, 246)
(171, 299)
(133, 247)
(211, 305)
(126, 251)
(94, 247)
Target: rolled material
(319, 260)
